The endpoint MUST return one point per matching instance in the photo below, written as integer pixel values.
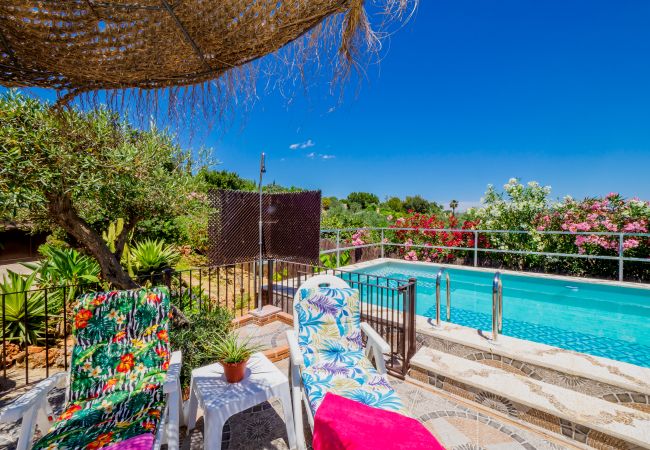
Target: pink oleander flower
(541, 228)
(638, 226)
(610, 225)
(583, 226)
(411, 256)
(389, 217)
(385, 240)
(611, 195)
(630, 243)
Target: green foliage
(150, 256)
(205, 326)
(363, 199)
(64, 267)
(231, 348)
(97, 162)
(110, 237)
(329, 259)
(394, 204)
(421, 205)
(18, 303)
(223, 179)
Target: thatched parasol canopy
(78, 46)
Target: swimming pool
(599, 319)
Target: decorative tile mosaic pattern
(580, 342)
(587, 386)
(579, 433)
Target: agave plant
(150, 256)
(65, 270)
(24, 308)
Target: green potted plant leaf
(233, 352)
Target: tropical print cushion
(354, 378)
(120, 337)
(119, 364)
(112, 418)
(329, 335)
(328, 323)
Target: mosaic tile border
(522, 413)
(576, 383)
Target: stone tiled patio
(458, 425)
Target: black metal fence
(36, 323)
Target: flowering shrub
(612, 213)
(423, 234)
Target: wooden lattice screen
(291, 226)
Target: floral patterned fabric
(329, 336)
(119, 364)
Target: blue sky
(471, 92)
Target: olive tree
(82, 170)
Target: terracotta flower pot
(234, 372)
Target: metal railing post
(410, 351)
(620, 256)
(382, 242)
(269, 282)
(497, 306)
(338, 248)
(475, 248)
(438, 283)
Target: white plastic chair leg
(173, 421)
(27, 429)
(287, 411)
(297, 407)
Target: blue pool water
(602, 320)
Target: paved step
(577, 412)
(566, 364)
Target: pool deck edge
(609, 371)
(567, 278)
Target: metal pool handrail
(438, 282)
(497, 306)
(621, 258)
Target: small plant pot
(234, 372)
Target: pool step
(610, 380)
(583, 418)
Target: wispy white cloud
(327, 156)
(311, 155)
(308, 143)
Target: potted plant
(233, 352)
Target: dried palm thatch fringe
(198, 52)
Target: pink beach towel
(140, 442)
(341, 423)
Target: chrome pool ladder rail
(438, 282)
(497, 306)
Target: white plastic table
(219, 399)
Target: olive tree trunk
(64, 214)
